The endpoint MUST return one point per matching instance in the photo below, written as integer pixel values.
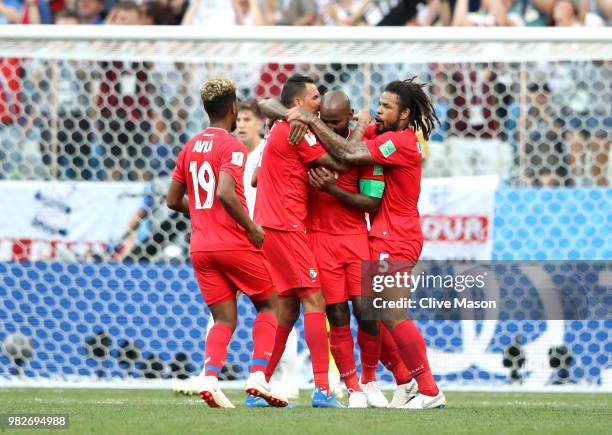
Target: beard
(394, 126)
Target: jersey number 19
(203, 178)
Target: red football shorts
(339, 258)
(294, 268)
(407, 250)
(391, 257)
(221, 274)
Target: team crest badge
(312, 273)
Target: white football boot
(403, 394)
(422, 401)
(258, 386)
(376, 399)
(211, 393)
(357, 399)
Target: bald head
(336, 112)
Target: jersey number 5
(203, 178)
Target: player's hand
(363, 116)
(322, 179)
(256, 236)
(297, 132)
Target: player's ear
(405, 115)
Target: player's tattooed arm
(324, 180)
(355, 152)
(330, 162)
(363, 120)
(176, 199)
(226, 194)
(272, 108)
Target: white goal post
(90, 313)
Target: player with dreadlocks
(391, 141)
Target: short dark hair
(294, 87)
(218, 94)
(250, 104)
(412, 96)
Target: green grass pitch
(161, 412)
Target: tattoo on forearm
(358, 132)
(336, 145)
(272, 109)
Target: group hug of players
(304, 247)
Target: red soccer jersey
(282, 183)
(400, 153)
(198, 166)
(329, 215)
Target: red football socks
(412, 349)
(280, 341)
(390, 357)
(369, 347)
(216, 349)
(342, 345)
(264, 337)
(315, 333)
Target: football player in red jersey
(225, 243)
(404, 108)
(339, 237)
(281, 208)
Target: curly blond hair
(216, 88)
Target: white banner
(41, 218)
(457, 217)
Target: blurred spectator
(155, 13)
(164, 12)
(491, 13)
(66, 17)
(90, 11)
(391, 12)
(344, 12)
(544, 149)
(249, 13)
(217, 13)
(11, 106)
(248, 131)
(532, 12)
(125, 13)
(25, 12)
(604, 8)
(293, 12)
(124, 106)
(570, 13)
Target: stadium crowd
(126, 121)
(222, 13)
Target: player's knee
(288, 314)
(338, 314)
(314, 302)
(269, 305)
(369, 326)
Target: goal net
(95, 284)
